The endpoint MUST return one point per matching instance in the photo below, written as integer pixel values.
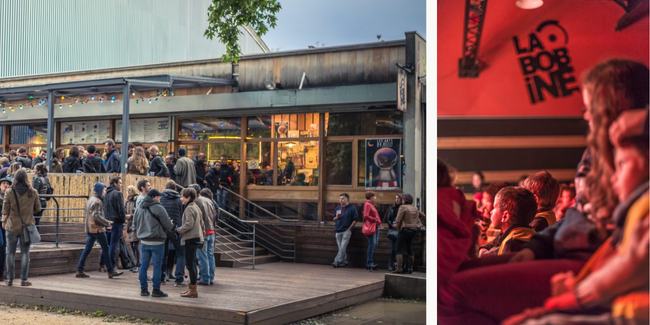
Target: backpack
(69, 165)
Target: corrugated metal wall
(48, 36)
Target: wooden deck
(276, 293)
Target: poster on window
(383, 164)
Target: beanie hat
(153, 193)
(99, 188)
(181, 152)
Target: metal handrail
(251, 223)
(259, 207)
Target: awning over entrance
(112, 85)
(102, 86)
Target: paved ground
(382, 311)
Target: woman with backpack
(73, 163)
(41, 184)
(20, 204)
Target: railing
(238, 229)
(276, 234)
(67, 231)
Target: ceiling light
(529, 4)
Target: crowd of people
(404, 222)
(544, 253)
(173, 227)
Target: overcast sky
(341, 22)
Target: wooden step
(259, 251)
(263, 259)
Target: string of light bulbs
(99, 98)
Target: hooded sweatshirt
(150, 222)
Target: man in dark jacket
(93, 163)
(157, 166)
(40, 159)
(23, 158)
(170, 163)
(151, 224)
(112, 157)
(171, 201)
(212, 179)
(226, 177)
(114, 211)
(199, 165)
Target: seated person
(616, 276)
(566, 200)
(456, 241)
(514, 209)
(546, 190)
(488, 232)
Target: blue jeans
(223, 195)
(206, 259)
(116, 235)
(372, 244)
(90, 241)
(149, 251)
(13, 238)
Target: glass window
(210, 128)
(216, 150)
(259, 127)
(295, 125)
(298, 163)
(361, 179)
(88, 132)
(339, 163)
(260, 163)
(364, 123)
(29, 134)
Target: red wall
(500, 89)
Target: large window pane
(259, 162)
(361, 179)
(295, 125)
(259, 127)
(29, 134)
(339, 163)
(229, 150)
(298, 163)
(364, 123)
(210, 128)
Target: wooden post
(321, 167)
(242, 166)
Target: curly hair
(614, 86)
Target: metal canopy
(113, 85)
(104, 86)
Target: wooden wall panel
(317, 245)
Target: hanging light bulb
(62, 97)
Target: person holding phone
(346, 217)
